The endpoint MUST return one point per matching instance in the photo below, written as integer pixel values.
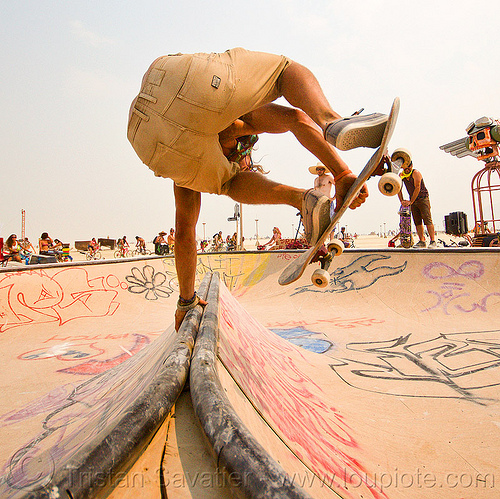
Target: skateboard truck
(321, 277)
(294, 270)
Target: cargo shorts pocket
(209, 84)
(171, 163)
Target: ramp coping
(253, 473)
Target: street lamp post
(241, 227)
(204, 236)
(257, 231)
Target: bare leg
(301, 89)
(431, 231)
(273, 118)
(187, 210)
(420, 232)
(254, 188)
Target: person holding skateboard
(192, 107)
(419, 203)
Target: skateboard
(296, 268)
(405, 227)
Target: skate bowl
(383, 384)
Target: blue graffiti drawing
(309, 340)
(359, 274)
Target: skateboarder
(418, 203)
(192, 106)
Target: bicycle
(122, 252)
(93, 254)
(141, 252)
(452, 243)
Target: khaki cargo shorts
(186, 100)
(421, 211)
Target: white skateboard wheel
(335, 246)
(403, 154)
(389, 184)
(320, 278)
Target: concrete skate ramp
(384, 384)
(83, 347)
(83, 385)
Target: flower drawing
(149, 282)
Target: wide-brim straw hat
(314, 169)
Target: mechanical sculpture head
(482, 141)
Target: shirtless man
(171, 239)
(324, 181)
(161, 246)
(140, 245)
(191, 104)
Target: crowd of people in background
(219, 243)
(21, 250)
(164, 244)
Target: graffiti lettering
(36, 297)
(460, 365)
(245, 349)
(335, 321)
(453, 296)
(439, 270)
(287, 256)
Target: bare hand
(179, 315)
(405, 203)
(341, 189)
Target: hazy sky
(71, 68)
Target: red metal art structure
(482, 142)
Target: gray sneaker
(315, 214)
(420, 244)
(357, 131)
(433, 245)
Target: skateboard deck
(295, 269)
(405, 227)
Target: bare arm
(417, 177)
(187, 210)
